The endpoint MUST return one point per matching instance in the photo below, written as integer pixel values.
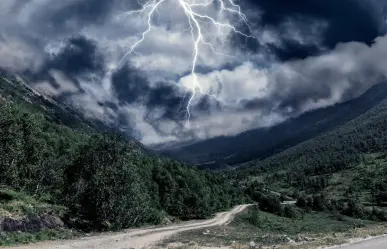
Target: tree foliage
(106, 180)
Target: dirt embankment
(32, 223)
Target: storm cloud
(307, 54)
(297, 29)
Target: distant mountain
(260, 143)
(14, 89)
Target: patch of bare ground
(236, 237)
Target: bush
(103, 186)
(254, 215)
(290, 212)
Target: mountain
(54, 162)
(260, 143)
(14, 89)
(341, 169)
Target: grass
(359, 177)
(313, 222)
(313, 228)
(15, 204)
(15, 238)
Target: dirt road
(139, 238)
(374, 243)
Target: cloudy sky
(290, 57)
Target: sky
(274, 60)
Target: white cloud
(291, 88)
(232, 86)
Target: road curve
(374, 243)
(139, 238)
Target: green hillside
(343, 167)
(53, 164)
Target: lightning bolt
(193, 10)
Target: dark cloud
(337, 76)
(169, 98)
(293, 50)
(254, 104)
(129, 85)
(294, 100)
(90, 11)
(109, 104)
(72, 16)
(79, 56)
(207, 105)
(291, 35)
(347, 20)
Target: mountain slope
(261, 143)
(101, 180)
(14, 89)
(346, 165)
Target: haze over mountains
(221, 152)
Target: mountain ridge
(263, 142)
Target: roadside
(138, 238)
(376, 242)
(24, 219)
(307, 230)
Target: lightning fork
(195, 18)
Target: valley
(193, 124)
(330, 181)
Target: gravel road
(139, 238)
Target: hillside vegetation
(337, 178)
(342, 170)
(101, 180)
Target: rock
(32, 223)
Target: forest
(104, 180)
(341, 170)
